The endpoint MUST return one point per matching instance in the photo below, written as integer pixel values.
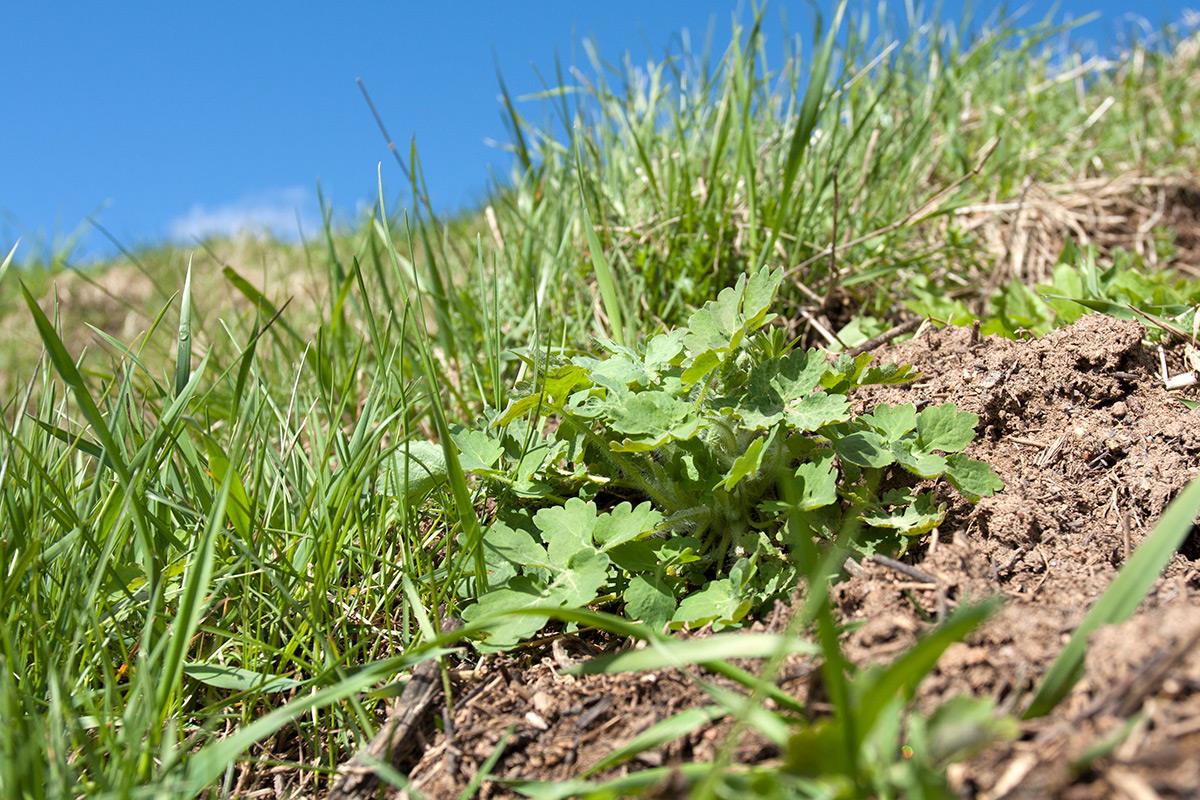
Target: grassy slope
(157, 600)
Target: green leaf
(616, 371)
(760, 294)
(974, 479)
(888, 375)
(635, 557)
(1121, 598)
(650, 600)
(945, 428)
(776, 384)
(817, 410)
(522, 591)
(719, 325)
(864, 448)
(567, 529)
(625, 523)
(911, 519)
(652, 414)
(797, 373)
(238, 679)
(816, 483)
(578, 584)
(416, 468)
(846, 372)
(661, 351)
(748, 463)
(703, 364)
(892, 422)
(644, 444)
(926, 465)
(477, 452)
(515, 545)
(718, 602)
(715, 325)
(519, 408)
(677, 552)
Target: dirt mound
(1091, 449)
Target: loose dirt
(1091, 448)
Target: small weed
(699, 427)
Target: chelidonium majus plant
(669, 468)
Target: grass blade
(191, 603)
(810, 111)
(668, 730)
(676, 653)
(915, 664)
(8, 261)
(607, 280)
(183, 361)
(67, 370)
(457, 480)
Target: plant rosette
(681, 458)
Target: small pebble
(542, 702)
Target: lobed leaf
(973, 479)
(892, 421)
(945, 428)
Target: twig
(1127, 695)
(904, 569)
(885, 337)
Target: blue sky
(168, 120)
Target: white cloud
(271, 212)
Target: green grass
(215, 534)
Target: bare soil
(1091, 448)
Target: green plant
(698, 427)
(280, 476)
(870, 748)
(1079, 284)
